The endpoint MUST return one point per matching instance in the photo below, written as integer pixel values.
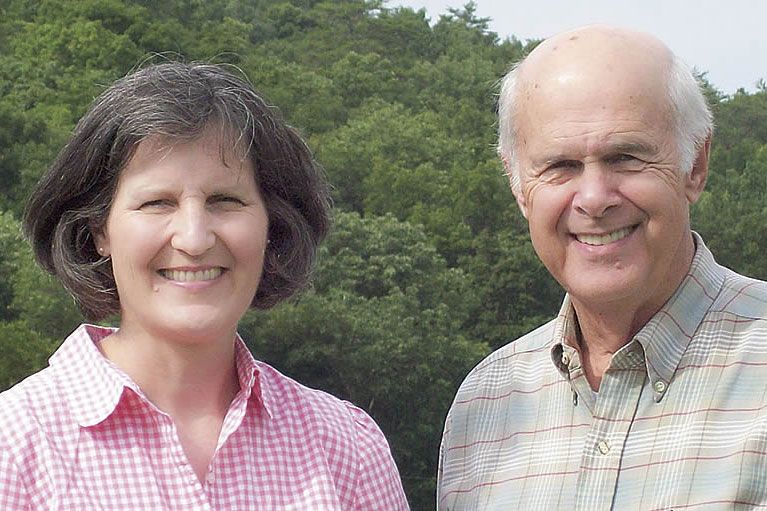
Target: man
(649, 389)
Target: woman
(181, 201)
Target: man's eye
(563, 165)
(622, 158)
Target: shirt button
(659, 386)
(211, 478)
(565, 359)
(603, 447)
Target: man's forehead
(620, 56)
(595, 75)
(606, 40)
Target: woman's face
(186, 232)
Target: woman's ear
(101, 240)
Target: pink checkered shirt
(80, 435)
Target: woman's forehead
(228, 146)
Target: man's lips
(604, 239)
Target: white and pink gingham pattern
(81, 435)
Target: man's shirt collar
(664, 338)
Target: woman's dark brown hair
(175, 101)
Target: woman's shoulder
(352, 441)
(287, 399)
(30, 408)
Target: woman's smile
(192, 275)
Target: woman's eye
(156, 203)
(226, 199)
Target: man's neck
(604, 328)
(598, 339)
(603, 331)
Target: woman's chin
(194, 325)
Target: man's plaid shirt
(680, 420)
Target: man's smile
(604, 239)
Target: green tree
(732, 217)
(35, 313)
(23, 351)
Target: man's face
(606, 203)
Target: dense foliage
(429, 266)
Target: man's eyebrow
(550, 159)
(639, 148)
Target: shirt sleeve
(441, 466)
(379, 485)
(13, 496)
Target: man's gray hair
(692, 117)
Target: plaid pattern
(680, 420)
(81, 435)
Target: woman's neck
(181, 379)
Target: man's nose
(595, 192)
(192, 229)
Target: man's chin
(602, 290)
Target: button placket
(619, 395)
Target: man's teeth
(604, 239)
(191, 276)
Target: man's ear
(516, 186)
(696, 179)
(520, 197)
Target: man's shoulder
(531, 352)
(742, 296)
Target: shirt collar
(94, 386)
(668, 333)
(666, 336)
(90, 383)
(253, 379)
(563, 352)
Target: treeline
(429, 266)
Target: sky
(727, 39)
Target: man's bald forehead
(598, 48)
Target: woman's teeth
(191, 276)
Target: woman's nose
(192, 230)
